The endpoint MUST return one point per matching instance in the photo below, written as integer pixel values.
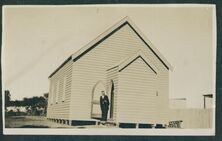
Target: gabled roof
(125, 21)
(112, 30)
(126, 62)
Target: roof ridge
(117, 25)
(126, 20)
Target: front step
(107, 123)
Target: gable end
(91, 45)
(115, 30)
(135, 60)
(149, 47)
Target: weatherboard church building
(123, 63)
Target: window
(112, 98)
(51, 93)
(57, 91)
(64, 88)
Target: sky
(36, 40)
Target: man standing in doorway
(104, 105)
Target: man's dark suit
(104, 105)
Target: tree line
(36, 105)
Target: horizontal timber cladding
(136, 98)
(92, 66)
(60, 93)
(163, 88)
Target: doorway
(112, 99)
(95, 103)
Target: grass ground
(40, 122)
(31, 122)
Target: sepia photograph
(109, 69)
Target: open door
(95, 105)
(111, 99)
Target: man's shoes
(103, 122)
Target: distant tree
(26, 102)
(34, 105)
(17, 103)
(7, 98)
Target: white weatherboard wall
(61, 108)
(163, 95)
(136, 97)
(92, 66)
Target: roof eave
(64, 63)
